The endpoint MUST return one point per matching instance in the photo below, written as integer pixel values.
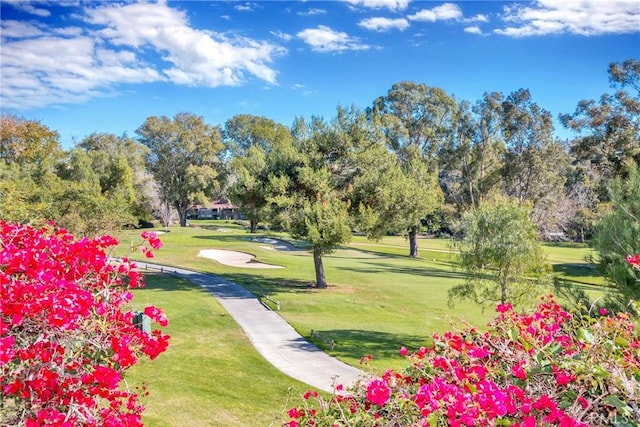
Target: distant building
(216, 210)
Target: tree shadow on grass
(384, 267)
(354, 343)
(270, 285)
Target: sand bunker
(234, 259)
(278, 245)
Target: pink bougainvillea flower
(562, 377)
(519, 372)
(156, 315)
(309, 394)
(378, 392)
(633, 259)
(503, 308)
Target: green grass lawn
(379, 300)
(210, 375)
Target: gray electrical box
(142, 322)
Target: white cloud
(18, 29)
(29, 7)
(384, 24)
(197, 58)
(303, 89)
(312, 12)
(583, 17)
(43, 65)
(396, 5)
(281, 35)
(473, 30)
(478, 18)
(439, 13)
(325, 39)
(247, 7)
(64, 70)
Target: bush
(66, 336)
(549, 367)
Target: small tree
(617, 235)
(500, 253)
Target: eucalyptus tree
(184, 158)
(609, 129)
(249, 139)
(417, 120)
(535, 165)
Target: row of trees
(417, 157)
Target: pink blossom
(378, 392)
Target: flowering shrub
(549, 367)
(66, 336)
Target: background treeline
(414, 160)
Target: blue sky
(81, 67)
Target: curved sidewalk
(274, 338)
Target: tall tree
(499, 249)
(471, 159)
(535, 164)
(249, 140)
(309, 186)
(184, 159)
(609, 129)
(416, 118)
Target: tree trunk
(413, 241)
(183, 217)
(503, 293)
(321, 281)
(253, 226)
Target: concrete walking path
(270, 334)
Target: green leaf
(619, 404)
(585, 336)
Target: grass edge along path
(271, 335)
(210, 375)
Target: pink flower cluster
(549, 367)
(66, 337)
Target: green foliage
(618, 235)
(306, 187)
(184, 159)
(610, 127)
(249, 139)
(499, 249)
(27, 141)
(416, 120)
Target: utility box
(142, 322)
